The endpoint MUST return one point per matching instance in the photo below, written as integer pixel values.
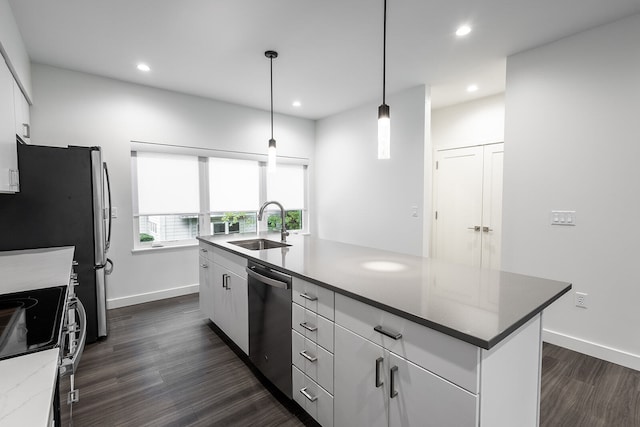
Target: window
(168, 197)
(177, 197)
(234, 195)
(287, 186)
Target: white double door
(468, 205)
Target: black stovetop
(30, 320)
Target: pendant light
(271, 153)
(384, 121)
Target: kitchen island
(450, 343)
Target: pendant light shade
(271, 153)
(384, 118)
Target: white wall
(73, 108)
(362, 200)
(471, 123)
(573, 143)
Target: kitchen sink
(258, 244)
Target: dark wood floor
(163, 365)
(579, 390)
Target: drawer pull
(307, 356)
(392, 390)
(378, 364)
(309, 327)
(203, 250)
(306, 394)
(204, 266)
(308, 297)
(390, 334)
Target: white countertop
(35, 268)
(27, 388)
(27, 383)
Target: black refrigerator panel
(55, 208)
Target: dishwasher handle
(266, 280)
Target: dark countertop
(481, 307)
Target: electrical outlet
(581, 299)
(114, 212)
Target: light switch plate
(114, 212)
(563, 218)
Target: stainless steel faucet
(283, 232)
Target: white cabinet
(375, 387)
(390, 371)
(312, 314)
(224, 294)
(418, 397)
(206, 286)
(9, 179)
(22, 115)
(316, 401)
(360, 400)
(230, 297)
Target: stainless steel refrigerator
(64, 200)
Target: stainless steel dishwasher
(270, 324)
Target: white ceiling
(330, 50)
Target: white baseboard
(151, 296)
(603, 352)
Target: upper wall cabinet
(13, 48)
(8, 152)
(22, 120)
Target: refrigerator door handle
(106, 174)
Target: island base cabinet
(205, 287)
(422, 398)
(374, 387)
(359, 401)
(316, 401)
(231, 306)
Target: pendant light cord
(271, 73)
(384, 54)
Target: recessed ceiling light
(144, 67)
(472, 88)
(296, 103)
(463, 30)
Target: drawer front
(448, 357)
(206, 251)
(234, 263)
(313, 398)
(313, 297)
(313, 360)
(312, 326)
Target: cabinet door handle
(309, 327)
(224, 281)
(306, 394)
(378, 364)
(474, 228)
(307, 356)
(390, 334)
(203, 250)
(486, 229)
(204, 266)
(308, 297)
(392, 390)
